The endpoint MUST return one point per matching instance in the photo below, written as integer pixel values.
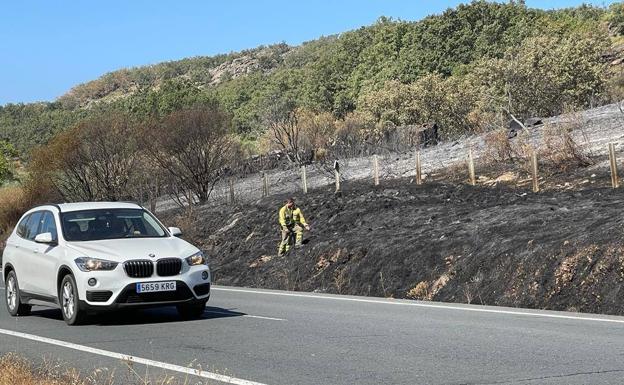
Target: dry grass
(420, 291)
(498, 147)
(561, 149)
(12, 205)
(16, 370)
(15, 200)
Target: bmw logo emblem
(152, 256)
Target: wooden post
(262, 184)
(265, 185)
(231, 183)
(534, 171)
(376, 169)
(418, 169)
(614, 174)
(337, 173)
(471, 168)
(304, 179)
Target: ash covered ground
(496, 244)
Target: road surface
(250, 336)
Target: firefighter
(292, 223)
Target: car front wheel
(68, 299)
(13, 299)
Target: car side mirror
(46, 238)
(176, 232)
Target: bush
(498, 147)
(6, 170)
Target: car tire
(12, 297)
(68, 300)
(192, 310)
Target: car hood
(120, 250)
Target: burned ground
(491, 244)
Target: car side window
(48, 225)
(33, 225)
(22, 226)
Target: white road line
(425, 305)
(244, 315)
(127, 358)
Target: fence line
(292, 181)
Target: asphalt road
(274, 337)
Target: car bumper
(115, 290)
(135, 301)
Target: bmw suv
(92, 257)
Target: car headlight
(197, 259)
(94, 264)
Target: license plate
(154, 287)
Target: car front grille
(139, 268)
(129, 295)
(168, 267)
(99, 296)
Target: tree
(546, 74)
(194, 146)
(94, 160)
(282, 121)
(431, 98)
(615, 18)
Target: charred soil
(498, 244)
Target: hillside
(465, 53)
(557, 250)
(496, 243)
(199, 71)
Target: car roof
(80, 206)
(67, 207)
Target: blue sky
(46, 47)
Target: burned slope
(491, 245)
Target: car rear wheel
(192, 310)
(13, 299)
(68, 299)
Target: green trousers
(294, 233)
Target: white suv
(90, 257)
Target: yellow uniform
(291, 221)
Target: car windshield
(93, 225)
